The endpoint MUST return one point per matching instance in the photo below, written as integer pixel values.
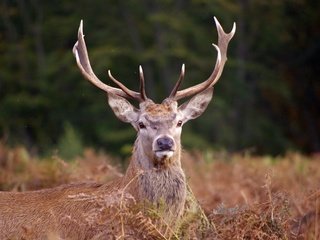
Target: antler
(81, 54)
(223, 41)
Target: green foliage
(267, 99)
(70, 143)
(193, 140)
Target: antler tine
(126, 90)
(223, 41)
(142, 84)
(176, 87)
(81, 54)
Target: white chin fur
(164, 154)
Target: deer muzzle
(163, 147)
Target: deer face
(159, 130)
(159, 126)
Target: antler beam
(81, 54)
(223, 41)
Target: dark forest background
(267, 100)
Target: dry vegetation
(242, 197)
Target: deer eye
(179, 123)
(141, 125)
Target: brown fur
(158, 109)
(66, 210)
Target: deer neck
(157, 184)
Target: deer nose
(165, 143)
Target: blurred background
(266, 102)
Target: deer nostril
(165, 143)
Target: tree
(267, 98)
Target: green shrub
(70, 143)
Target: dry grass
(249, 197)
(241, 196)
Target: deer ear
(196, 105)
(122, 108)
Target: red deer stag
(154, 175)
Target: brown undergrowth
(230, 196)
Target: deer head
(158, 125)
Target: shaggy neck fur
(166, 184)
